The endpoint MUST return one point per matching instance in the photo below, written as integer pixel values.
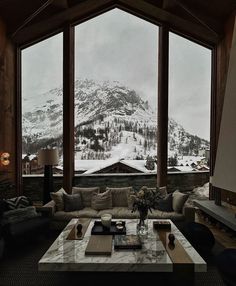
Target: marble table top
(68, 255)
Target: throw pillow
(119, 196)
(20, 214)
(57, 197)
(160, 192)
(165, 204)
(72, 202)
(86, 194)
(102, 201)
(130, 198)
(179, 200)
(18, 202)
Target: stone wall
(33, 185)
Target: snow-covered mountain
(109, 118)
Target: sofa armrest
(48, 209)
(189, 213)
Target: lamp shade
(48, 157)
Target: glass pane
(189, 105)
(42, 116)
(116, 94)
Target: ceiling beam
(61, 4)
(156, 15)
(81, 11)
(196, 16)
(91, 8)
(32, 16)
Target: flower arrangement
(143, 201)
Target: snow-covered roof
(93, 166)
(101, 164)
(182, 168)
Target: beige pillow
(178, 201)
(120, 196)
(101, 201)
(86, 194)
(57, 197)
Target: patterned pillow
(20, 214)
(86, 194)
(101, 201)
(18, 202)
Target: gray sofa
(120, 210)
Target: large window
(189, 105)
(115, 99)
(42, 116)
(116, 94)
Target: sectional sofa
(92, 203)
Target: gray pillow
(120, 196)
(86, 194)
(18, 215)
(165, 204)
(57, 197)
(179, 200)
(102, 201)
(72, 202)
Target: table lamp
(48, 158)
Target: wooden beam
(196, 17)
(81, 12)
(68, 108)
(91, 8)
(61, 4)
(163, 82)
(159, 16)
(32, 16)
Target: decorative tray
(98, 228)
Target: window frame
(68, 96)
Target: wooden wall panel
(7, 113)
(223, 55)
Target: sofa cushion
(165, 204)
(101, 201)
(57, 197)
(86, 194)
(85, 212)
(179, 200)
(18, 202)
(72, 202)
(120, 196)
(156, 214)
(119, 212)
(18, 215)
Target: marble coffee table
(69, 255)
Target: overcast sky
(119, 46)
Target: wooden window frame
(68, 99)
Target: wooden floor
(222, 234)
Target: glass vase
(142, 226)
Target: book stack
(127, 242)
(162, 225)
